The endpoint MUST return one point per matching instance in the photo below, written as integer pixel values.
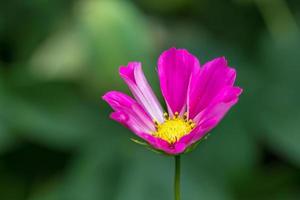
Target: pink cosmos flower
(197, 98)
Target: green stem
(177, 178)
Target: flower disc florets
(172, 129)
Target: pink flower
(197, 98)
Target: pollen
(172, 129)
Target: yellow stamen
(185, 116)
(176, 114)
(156, 123)
(172, 129)
(166, 116)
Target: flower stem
(177, 178)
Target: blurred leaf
(51, 114)
(94, 172)
(147, 176)
(280, 98)
(198, 185)
(6, 139)
(166, 7)
(11, 186)
(61, 56)
(114, 33)
(273, 182)
(21, 33)
(95, 45)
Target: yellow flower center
(172, 129)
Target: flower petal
(220, 105)
(129, 113)
(206, 84)
(212, 115)
(134, 77)
(175, 67)
(163, 145)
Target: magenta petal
(129, 113)
(163, 145)
(213, 114)
(207, 83)
(174, 149)
(134, 77)
(175, 67)
(220, 105)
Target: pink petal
(129, 113)
(163, 145)
(134, 77)
(175, 67)
(219, 105)
(213, 114)
(206, 84)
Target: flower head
(197, 98)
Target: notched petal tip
(170, 50)
(116, 99)
(127, 72)
(239, 90)
(173, 52)
(174, 49)
(222, 60)
(108, 96)
(231, 94)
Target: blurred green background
(58, 57)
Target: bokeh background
(58, 57)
